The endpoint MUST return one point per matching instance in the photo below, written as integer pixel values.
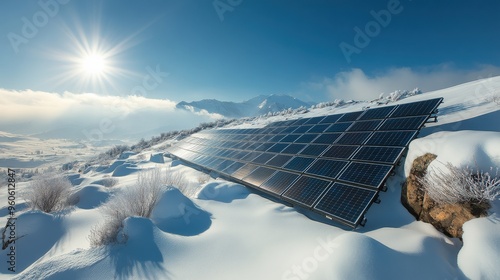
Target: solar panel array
(334, 165)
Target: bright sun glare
(94, 64)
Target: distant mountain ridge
(256, 106)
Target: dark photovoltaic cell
(331, 118)
(290, 138)
(340, 151)
(327, 138)
(327, 167)
(306, 190)
(391, 138)
(302, 129)
(379, 154)
(319, 128)
(333, 165)
(279, 182)
(338, 127)
(353, 138)
(410, 123)
(377, 113)
(345, 202)
(306, 138)
(314, 150)
(263, 158)
(367, 174)
(365, 125)
(352, 116)
(426, 107)
(299, 163)
(259, 176)
(294, 149)
(233, 167)
(244, 171)
(279, 160)
(315, 120)
(277, 148)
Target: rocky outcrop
(447, 218)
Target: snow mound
(460, 148)
(40, 232)
(354, 251)
(222, 191)
(480, 254)
(158, 158)
(176, 213)
(91, 196)
(125, 170)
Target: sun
(94, 64)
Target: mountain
(256, 106)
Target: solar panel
(244, 171)
(327, 168)
(277, 148)
(327, 138)
(279, 182)
(379, 154)
(314, 150)
(299, 163)
(315, 120)
(338, 127)
(294, 149)
(352, 116)
(331, 118)
(417, 108)
(306, 138)
(366, 174)
(391, 138)
(340, 151)
(233, 168)
(353, 138)
(345, 202)
(377, 113)
(409, 123)
(319, 128)
(263, 158)
(302, 129)
(306, 190)
(365, 125)
(333, 165)
(279, 160)
(259, 176)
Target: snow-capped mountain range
(256, 106)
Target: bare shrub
(178, 180)
(203, 178)
(458, 185)
(49, 193)
(137, 200)
(108, 182)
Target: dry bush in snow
(452, 184)
(137, 200)
(49, 193)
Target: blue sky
(254, 47)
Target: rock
(447, 218)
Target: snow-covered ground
(222, 230)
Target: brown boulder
(447, 218)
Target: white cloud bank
(77, 116)
(357, 85)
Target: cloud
(79, 115)
(356, 84)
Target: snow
(217, 229)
